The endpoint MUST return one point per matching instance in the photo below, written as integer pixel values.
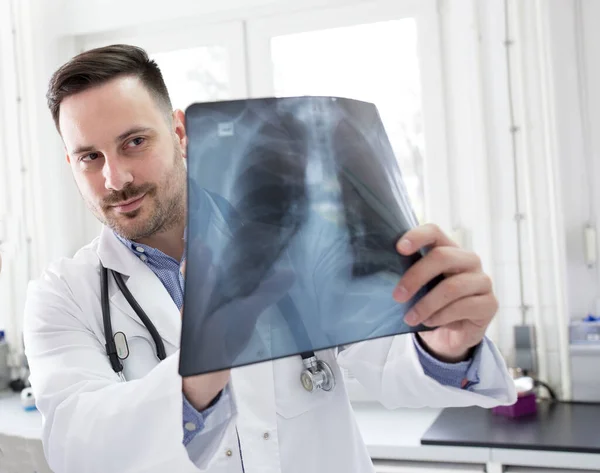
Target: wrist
(445, 355)
(202, 390)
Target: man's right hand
(227, 325)
(202, 389)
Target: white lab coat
(94, 422)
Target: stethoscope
(317, 374)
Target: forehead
(100, 114)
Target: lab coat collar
(144, 285)
(116, 256)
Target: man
(126, 148)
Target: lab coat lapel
(144, 285)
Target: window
(385, 53)
(354, 62)
(195, 74)
(198, 64)
(318, 52)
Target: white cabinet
(518, 469)
(424, 467)
(22, 455)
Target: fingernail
(410, 318)
(400, 293)
(404, 245)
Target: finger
(478, 310)
(442, 260)
(421, 237)
(448, 291)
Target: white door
(384, 52)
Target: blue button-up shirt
(167, 269)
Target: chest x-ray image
(294, 209)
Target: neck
(169, 241)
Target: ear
(179, 129)
(68, 158)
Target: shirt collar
(150, 252)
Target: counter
(557, 427)
(560, 437)
(16, 421)
(20, 437)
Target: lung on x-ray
(294, 209)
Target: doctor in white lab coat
(126, 147)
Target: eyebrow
(132, 131)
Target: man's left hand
(462, 305)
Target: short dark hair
(98, 66)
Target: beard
(163, 207)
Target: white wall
(500, 176)
(590, 80)
(575, 172)
(10, 188)
(55, 200)
(536, 262)
(40, 186)
(97, 16)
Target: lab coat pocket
(292, 400)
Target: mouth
(129, 205)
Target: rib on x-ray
(295, 206)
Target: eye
(89, 157)
(135, 142)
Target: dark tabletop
(556, 426)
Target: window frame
(228, 34)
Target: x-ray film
(295, 206)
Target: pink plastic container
(525, 405)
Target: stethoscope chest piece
(317, 375)
(121, 345)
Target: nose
(117, 174)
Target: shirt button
(140, 249)
(143, 258)
(190, 426)
(228, 453)
(266, 435)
